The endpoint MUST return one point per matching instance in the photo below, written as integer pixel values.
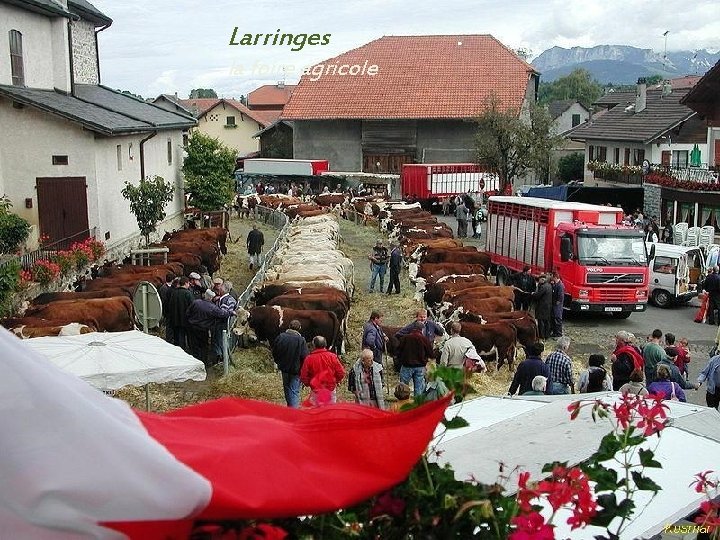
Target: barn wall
(334, 140)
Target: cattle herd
(309, 279)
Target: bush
(14, 230)
(44, 272)
(65, 260)
(571, 167)
(82, 254)
(9, 281)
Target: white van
(675, 272)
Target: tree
(208, 169)
(513, 144)
(14, 230)
(198, 93)
(571, 167)
(578, 85)
(147, 202)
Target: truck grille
(615, 278)
(613, 295)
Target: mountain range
(622, 64)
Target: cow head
(418, 253)
(243, 315)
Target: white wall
(564, 121)
(42, 41)
(84, 52)
(239, 138)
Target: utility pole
(665, 52)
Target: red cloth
(267, 461)
(321, 369)
(702, 311)
(638, 361)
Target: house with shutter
(404, 99)
(67, 143)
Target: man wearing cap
(216, 283)
(179, 300)
(378, 264)
(255, 242)
(204, 316)
(395, 263)
(543, 307)
(526, 283)
(196, 285)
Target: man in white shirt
(456, 348)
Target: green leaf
(611, 509)
(644, 483)
(606, 479)
(646, 459)
(455, 423)
(609, 446)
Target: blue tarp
(557, 193)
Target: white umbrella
(111, 360)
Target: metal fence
(50, 250)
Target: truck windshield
(609, 250)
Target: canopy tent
(111, 360)
(527, 432)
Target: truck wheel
(621, 314)
(503, 276)
(661, 298)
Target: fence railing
(50, 250)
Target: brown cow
(130, 281)
(330, 199)
(524, 323)
(425, 270)
(208, 252)
(112, 314)
(410, 246)
(46, 298)
(127, 269)
(272, 290)
(459, 255)
(492, 338)
(485, 305)
(71, 329)
(214, 234)
(488, 291)
(267, 323)
(435, 292)
(12, 323)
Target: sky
(163, 46)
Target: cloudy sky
(164, 46)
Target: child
(402, 394)
(683, 358)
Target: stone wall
(84, 53)
(652, 200)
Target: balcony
(623, 174)
(688, 178)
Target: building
(67, 143)
(171, 102)
(567, 114)
(268, 100)
(404, 99)
(229, 121)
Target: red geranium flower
(386, 504)
(531, 527)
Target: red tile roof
(204, 106)
(418, 77)
(199, 105)
(270, 94)
(268, 117)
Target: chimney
(666, 88)
(641, 95)
(281, 84)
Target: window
(169, 151)
(575, 120)
(627, 157)
(16, 59)
(664, 265)
(602, 153)
(185, 137)
(118, 151)
(686, 213)
(230, 122)
(680, 158)
(665, 158)
(617, 156)
(638, 156)
(591, 153)
(59, 160)
(710, 215)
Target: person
(430, 329)
(196, 285)
(204, 316)
(216, 283)
(378, 264)
(636, 384)
(461, 216)
(446, 206)
(625, 358)
(595, 378)
(289, 350)
(434, 388)
(664, 387)
(477, 227)
(457, 348)
(675, 375)
(683, 358)
(558, 301)
(652, 354)
(711, 286)
(395, 264)
(667, 233)
(526, 283)
(710, 375)
(529, 368)
(402, 394)
(373, 338)
(650, 234)
(322, 372)
(179, 300)
(255, 243)
(232, 291)
(365, 381)
(560, 366)
(539, 385)
(413, 352)
(164, 294)
(543, 307)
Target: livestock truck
(285, 167)
(603, 264)
(429, 183)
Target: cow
(208, 251)
(46, 298)
(213, 234)
(481, 306)
(267, 323)
(113, 314)
(38, 322)
(128, 269)
(409, 247)
(476, 293)
(269, 291)
(71, 329)
(323, 302)
(425, 270)
(492, 338)
(459, 255)
(330, 199)
(524, 323)
(125, 282)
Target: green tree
(208, 169)
(147, 202)
(512, 143)
(129, 93)
(571, 167)
(14, 230)
(198, 93)
(654, 79)
(578, 85)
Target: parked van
(675, 273)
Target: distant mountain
(622, 64)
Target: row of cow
(310, 280)
(104, 303)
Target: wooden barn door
(62, 208)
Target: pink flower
(531, 527)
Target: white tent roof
(111, 360)
(527, 432)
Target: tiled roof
(556, 108)
(418, 77)
(240, 107)
(45, 7)
(687, 81)
(661, 114)
(89, 12)
(268, 117)
(199, 105)
(611, 99)
(270, 94)
(99, 109)
(706, 89)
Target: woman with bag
(666, 388)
